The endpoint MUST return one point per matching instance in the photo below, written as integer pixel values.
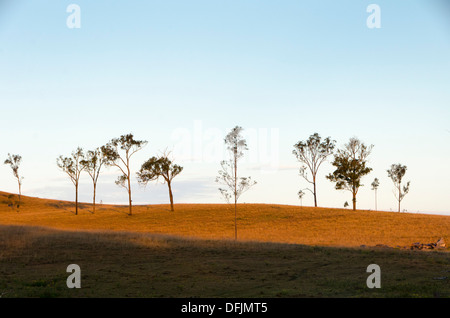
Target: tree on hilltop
(228, 176)
(14, 162)
(72, 167)
(93, 163)
(351, 166)
(312, 153)
(159, 167)
(396, 173)
(118, 153)
(375, 184)
(301, 194)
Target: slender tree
(375, 184)
(72, 167)
(93, 163)
(14, 162)
(351, 166)
(396, 173)
(301, 194)
(228, 175)
(118, 153)
(157, 167)
(312, 153)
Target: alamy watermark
(201, 144)
(74, 279)
(374, 19)
(73, 21)
(374, 279)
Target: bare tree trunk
(315, 195)
(170, 196)
(399, 196)
(93, 200)
(20, 194)
(20, 189)
(354, 200)
(376, 209)
(76, 198)
(235, 219)
(235, 196)
(129, 185)
(129, 196)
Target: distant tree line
(117, 153)
(350, 166)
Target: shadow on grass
(33, 262)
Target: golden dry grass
(256, 222)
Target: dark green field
(33, 263)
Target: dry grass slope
(256, 222)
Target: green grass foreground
(33, 262)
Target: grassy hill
(282, 251)
(256, 222)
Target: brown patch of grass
(256, 222)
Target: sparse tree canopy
(312, 153)
(72, 167)
(351, 166)
(14, 162)
(159, 167)
(375, 184)
(118, 153)
(228, 176)
(396, 173)
(235, 186)
(301, 194)
(93, 163)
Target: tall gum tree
(159, 167)
(396, 173)
(375, 184)
(93, 163)
(72, 167)
(311, 153)
(14, 162)
(118, 153)
(228, 176)
(351, 166)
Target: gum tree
(351, 166)
(159, 167)
(234, 186)
(375, 184)
(396, 173)
(311, 153)
(72, 167)
(93, 163)
(118, 153)
(14, 162)
(301, 194)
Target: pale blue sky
(162, 69)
